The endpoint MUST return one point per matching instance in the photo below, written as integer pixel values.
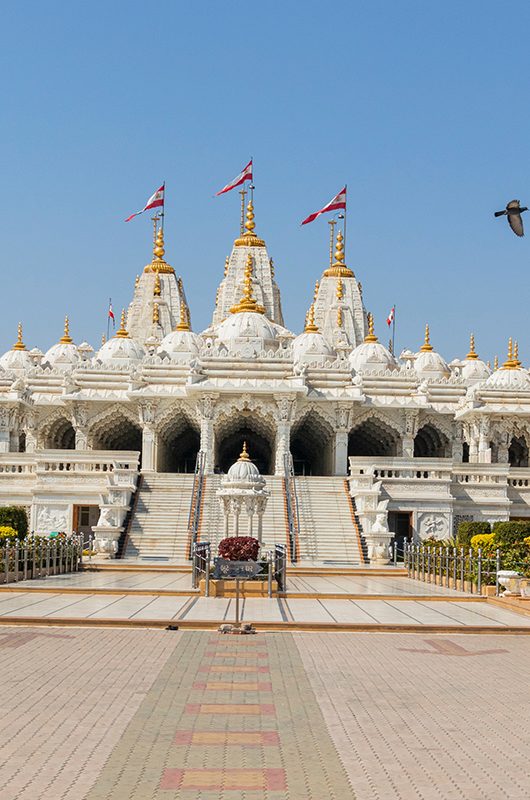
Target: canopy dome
(311, 344)
(64, 354)
(371, 355)
(511, 375)
(244, 471)
(18, 357)
(120, 349)
(428, 363)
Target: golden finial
(509, 364)
(339, 269)
(157, 289)
(66, 338)
(339, 317)
(122, 332)
(158, 249)
(103, 339)
(310, 326)
(340, 289)
(472, 354)
(244, 456)
(496, 363)
(426, 346)
(227, 262)
(247, 302)
(158, 264)
(156, 314)
(19, 344)
(370, 336)
(137, 282)
(271, 265)
(315, 294)
(183, 324)
(488, 364)
(516, 362)
(249, 238)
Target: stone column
(409, 432)
(147, 414)
(285, 406)
(457, 445)
(80, 423)
(5, 427)
(484, 449)
(206, 409)
(341, 453)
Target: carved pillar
(410, 429)
(457, 446)
(147, 414)
(206, 408)
(340, 445)
(80, 423)
(473, 442)
(283, 432)
(484, 449)
(29, 425)
(4, 429)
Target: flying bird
(513, 211)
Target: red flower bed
(239, 548)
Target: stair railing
(194, 515)
(280, 566)
(293, 517)
(201, 553)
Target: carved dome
(182, 341)
(511, 375)
(428, 363)
(62, 356)
(18, 358)
(248, 325)
(244, 473)
(119, 351)
(311, 345)
(371, 355)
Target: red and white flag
(339, 201)
(155, 201)
(391, 316)
(244, 175)
(111, 315)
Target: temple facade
(422, 443)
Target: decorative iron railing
(194, 516)
(291, 498)
(39, 557)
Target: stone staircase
(327, 529)
(159, 528)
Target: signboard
(224, 568)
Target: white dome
(507, 379)
(247, 325)
(371, 357)
(16, 360)
(119, 350)
(310, 345)
(430, 364)
(474, 369)
(244, 473)
(62, 355)
(179, 343)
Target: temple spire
(122, 332)
(426, 346)
(19, 344)
(370, 336)
(310, 326)
(339, 269)
(249, 238)
(244, 456)
(183, 324)
(509, 363)
(66, 338)
(472, 354)
(248, 301)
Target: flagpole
(345, 217)
(163, 212)
(108, 318)
(331, 223)
(394, 331)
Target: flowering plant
(239, 548)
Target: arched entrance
(116, 432)
(518, 452)
(60, 435)
(250, 428)
(431, 443)
(179, 442)
(373, 437)
(312, 445)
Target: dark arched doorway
(431, 443)
(518, 452)
(117, 433)
(60, 435)
(178, 445)
(373, 437)
(245, 428)
(312, 446)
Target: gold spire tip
(244, 456)
(183, 324)
(496, 363)
(66, 338)
(19, 344)
(339, 269)
(248, 301)
(370, 336)
(157, 288)
(310, 326)
(472, 353)
(156, 314)
(122, 332)
(426, 346)
(249, 238)
(511, 361)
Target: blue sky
(420, 107)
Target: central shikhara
(420, 442)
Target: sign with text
(224, 568)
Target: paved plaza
(142, 714)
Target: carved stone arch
(312, 441)
(56, 431)
(441, 422)
(433, 438)
(115, 428)
(252, 423)
(324, 412)
(388, 420)
(178, 439)
(375, 434)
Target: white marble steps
(159, 529)
(327, 532)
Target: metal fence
(452, 567)
(201, 567)
(39, 557)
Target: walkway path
(138, 715)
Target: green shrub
(466, 531)
(508, 534)
(15, 517)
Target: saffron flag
(391, 316)
(155, 201)
(111, 315)
(244, 175)
(339, 201)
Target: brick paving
(115, 714)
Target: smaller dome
(473, 369)
(511, 375)
(85, 351)
(428, 363)
(244, 471)
(371, 355)
(311, 345)
(18, 358)
(120, 349)
(247, 325)
(179, 343)
(62, 356)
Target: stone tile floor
(96, 714)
